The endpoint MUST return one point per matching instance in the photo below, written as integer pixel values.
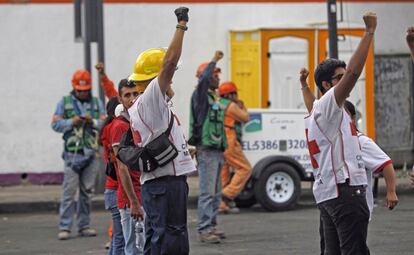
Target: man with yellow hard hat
(164, 188)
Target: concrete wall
(38, 57)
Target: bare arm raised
(307, 94)
(357, 61)
(173, 53)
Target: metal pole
(78, 20)
(101, 48)
(87, 35)
(332, 27)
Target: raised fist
(370, 20)
(410, 37)
(100, 67)
(218, 55)
(304, 73)
(182, 14)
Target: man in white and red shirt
(164, 190)
(339, 171)
(374, 158)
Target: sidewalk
(45, 198)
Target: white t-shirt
(328, 115)
(334, 148)
(375, 160)
(150, 116)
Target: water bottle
(139, 235)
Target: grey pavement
(252, 232)
(45, 198)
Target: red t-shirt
(109, 183)
(118, 129)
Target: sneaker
(108, 245)
(233, 210)
(208, 238)
(64, 235)
(228, 201)
(228, 208)
(219, 233)
(87, 232)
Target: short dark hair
(326, 70)
(110, 111)
(350, 107)
(111, 105)
(124, 83)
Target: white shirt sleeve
(328, 114)
(374, 158)
(153, 108)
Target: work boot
(219, 233)
(223, 208)
(64, 235)
(228, 201)
(87, 232)
(228, 207)
(208, 237)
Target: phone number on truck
(260, 145)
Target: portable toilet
(265, 65)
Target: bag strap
(123, 119)
(126, 139)
(168, 131)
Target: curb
(98, 203)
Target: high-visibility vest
(213, 134)
(78, 138)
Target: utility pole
(332, 28)
(89, 29)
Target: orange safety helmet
(227, 87)
(203, 66)
(81, 80)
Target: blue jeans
(128, 228)
(209, 167)
(117, 243)
(72, 182)
(165, 204)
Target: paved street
(253, 231)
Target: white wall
(38, 56)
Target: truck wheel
(245, 199)
(278, 187)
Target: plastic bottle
(139, 235)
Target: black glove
(182, 14)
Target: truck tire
(278, 187)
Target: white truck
(274, 142)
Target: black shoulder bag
(156, 153)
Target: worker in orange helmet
(79, 116)
(235, 115)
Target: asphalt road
(253, 231)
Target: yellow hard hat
(148, 64)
